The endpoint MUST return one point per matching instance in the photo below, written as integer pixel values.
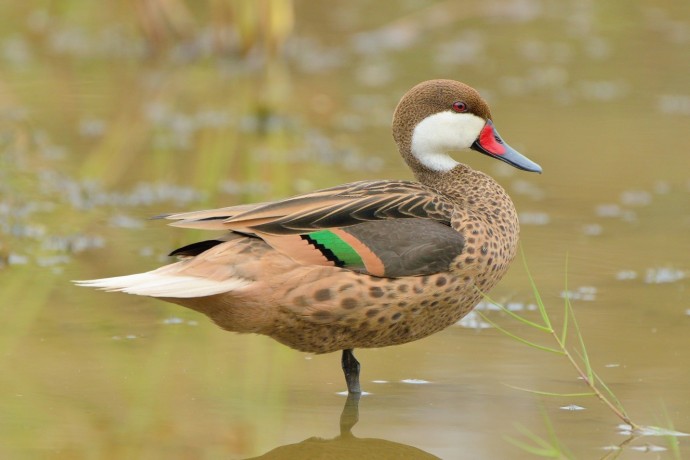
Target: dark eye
(460, 107)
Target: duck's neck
(472, 190)
(464, 186)
(458, 183)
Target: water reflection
(347, 445)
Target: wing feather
(343, 206)
(339, 206)
(384, 228)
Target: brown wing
(339, 206)
(383, 228)
(208, 219)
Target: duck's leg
(351, 370)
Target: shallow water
(106, 119)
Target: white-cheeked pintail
(366, 264)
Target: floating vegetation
(636, 198)
(674, 104)
(125, 337)
(17, 259)
(654, 275)
(472, 320)
(586, 293)
(593, 229)
(625, 275)
(415, 381)
(603, 90)
(662, 188)
(72, 243)
(125, 221)
(663, 275)
(611, 210)
(89, 194)
(651, 431)
(475, 315)
(511, 306)
(649, 448)
(173, 320)
(534, 218)
(51, 261)
(527, 188)
(572, 407)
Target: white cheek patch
(441, 133)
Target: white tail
(156, 284)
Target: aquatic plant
(570, 344)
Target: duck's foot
(351, 370)
(350, 415)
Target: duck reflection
(347, 445)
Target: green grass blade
(524, 320)
(549, 393)
(583, 355)
(518, 338)
(566, 315)
(517, 317)
(535, 292)
(568, 307)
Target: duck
(366, 264)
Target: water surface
(109, 116)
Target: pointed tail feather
(154, 284)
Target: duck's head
(437, 117)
